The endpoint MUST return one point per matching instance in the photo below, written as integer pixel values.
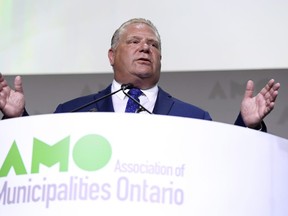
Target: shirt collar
(149, 93)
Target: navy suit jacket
(165, 105)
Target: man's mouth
(144, 60)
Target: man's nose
(145, 47)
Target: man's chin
(144, 74)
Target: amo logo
(90, 153)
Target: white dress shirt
(147, 99)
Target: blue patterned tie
(131, 106)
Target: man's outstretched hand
(255, 108)
(12, 101)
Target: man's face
(137, 58)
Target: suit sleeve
(239, 122)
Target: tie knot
(135, 92)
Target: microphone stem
(95, 101)
(136, 102)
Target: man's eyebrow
(153, 40)
(134, 36)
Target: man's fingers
(249, 89)
(276, 87)
(18, 84)
(270, 92)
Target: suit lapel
(106, 104)
(163, 103)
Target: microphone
(123, 88)
(141, 107)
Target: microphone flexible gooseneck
(123, 88)
(141, 107)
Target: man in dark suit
(135, 56)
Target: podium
(137, 164)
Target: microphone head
(127, 86)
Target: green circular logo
(92, 152)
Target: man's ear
(111, 56)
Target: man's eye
(133, 41)
(156, 45)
